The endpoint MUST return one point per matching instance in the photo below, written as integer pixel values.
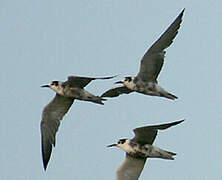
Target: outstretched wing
(153, 59)
(147, 134)
(116, 91)
(51, 117)
(131, 168)
(81, 82)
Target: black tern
(53, 113)
(139, 149)
(146, 80)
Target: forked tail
(171, 96)
(92, 98)
(98, 100)
(166, 154)
(163, 93)
(168, 95)
(160, 153)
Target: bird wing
(116, 91)
(153, 59)
(81, 82)
(147, 134)
(131, 168)
(51, 117)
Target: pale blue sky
(49, 40)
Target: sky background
(49, 40)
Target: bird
(151, 64)
(139, 148)
(52, 114)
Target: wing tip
(181, 13)
(45, 158)
(110, 77)
(182, 10)
(45, 161)
(178, 122)
(45, 165)
(46, 153)
(175, 123)
(107, 77)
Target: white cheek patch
(57, 89)
(130, 84)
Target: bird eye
(121, 141)
(128, 79)
(55, 83)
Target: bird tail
(169, 96)
(98, 100)
(95, 99)
(163, 154)
(92, 98)
(164, 93)
(168, 155)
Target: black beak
(45, 86)
(119, 82)
(111, 145)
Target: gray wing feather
(114, 92)
(147, 134)
(153, 59)
(81, 82)
(130, 169)
(51, 117)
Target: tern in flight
(53, 113)
(139, 149)
(151, 64)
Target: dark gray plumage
(147, 134)
(51, 117)
(116, 91)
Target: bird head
(55, 86)
(122, 143)
(126, 80)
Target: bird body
(67, 90)
(137, 150)
(146, 87)
(83, 95)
